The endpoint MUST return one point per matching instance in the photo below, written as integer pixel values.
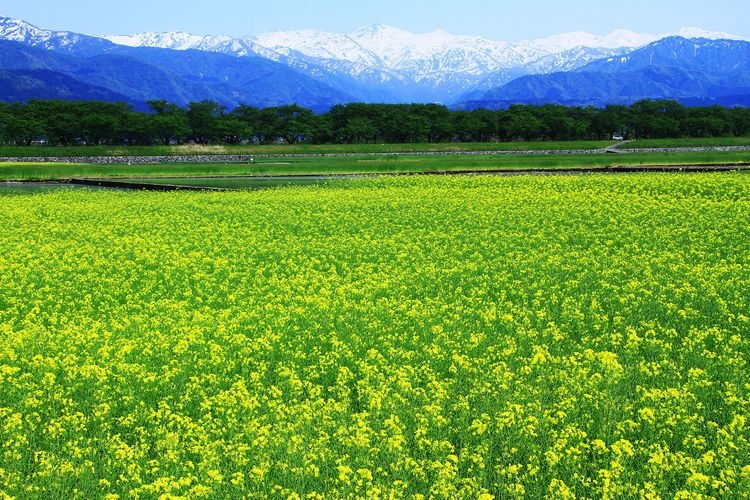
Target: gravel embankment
(111, 160)
(684, 150)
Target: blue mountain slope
(23, 85)
(714, 57)
(178, 76)
(689, 70)
(241, 80)
(15, 55)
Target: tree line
(61, 122)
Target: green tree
(658, 119)
(523, 124)
(61, 120)
(440, 125)
(712, 121)
(102, 122)
(233, 130)
(322, 129)
(249, 117)
(613, 119)
(19, 126)
(137, 129)
(293, 123)
(168, 122)
(357, 122)
(204, 121)
(739, 121)
(359, 129)
(582, 122)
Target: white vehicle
(617, 137)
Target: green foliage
(169, 122)
(204, 119)
(206, 122)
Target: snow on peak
(625, 38)
(318, 44)
(397, 47)
(617, 39)
(180, 40)
(176, 40)
(378, 32)
(17, 30)
(691, 32)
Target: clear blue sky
(498, 20)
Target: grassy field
(273, 149)
(366, 164)
(280, 149)
(689, 143)
(456, 337)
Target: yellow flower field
(467, 337)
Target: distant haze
(497, 20)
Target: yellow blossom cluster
(417, 337)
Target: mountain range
(318, 69)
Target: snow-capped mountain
(568, 60)
(692, 70)
(15, 30)
(437, 59)
(73, 66)
(378, 63)
(179, 40)
(435, 66)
